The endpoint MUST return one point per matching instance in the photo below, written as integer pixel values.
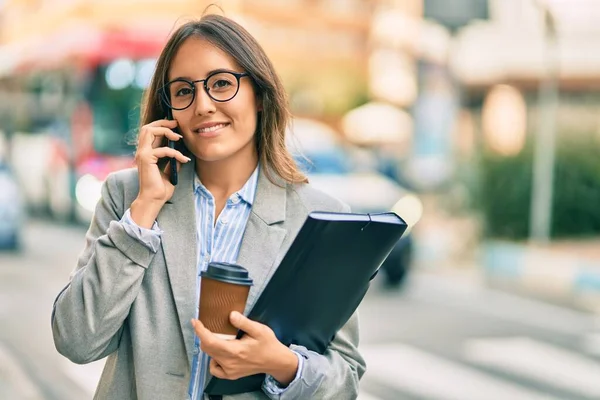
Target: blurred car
(11, 209)
(349, 174)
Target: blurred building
(523, 44)
(511, 46)
(319, 47)
(72, 74)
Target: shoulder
(122, 178)
(313, 199)
(122, 186)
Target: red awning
(89, 46)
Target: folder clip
(363, 228)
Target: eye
(184, 91)
(221, 84)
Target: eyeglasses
(221, 86)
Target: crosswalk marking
(16, 377)
(419, 373)
(86, 376)
(539, 361)
(591, 344)
(366, 396)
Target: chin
(218, 152)
(213, 155)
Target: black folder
(320, 282)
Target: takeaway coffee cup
(224, 288)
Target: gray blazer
(134, 306)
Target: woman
(240, 198)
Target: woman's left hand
(258, 351)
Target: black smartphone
(173, 178)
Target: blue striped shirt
(218, 241)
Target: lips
(209, 126)
(210, 129)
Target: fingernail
(189, 159)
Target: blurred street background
(477, 121)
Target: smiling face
(214, 131)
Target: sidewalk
(564, 271)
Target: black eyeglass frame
(166, 96)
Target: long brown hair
(274, 118)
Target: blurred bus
(74, 119)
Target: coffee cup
(224, 288)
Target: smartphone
(173, 178)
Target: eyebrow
(188, 78)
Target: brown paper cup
(224, 288)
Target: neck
(225, 177)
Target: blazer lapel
(177, 219)
(263, 236)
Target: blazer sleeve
(335, 374)
(89, 313)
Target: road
(441, 338)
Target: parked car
(349, 174)
(11, 209)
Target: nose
(203, 104)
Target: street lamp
(540, 221)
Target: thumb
(238, 320)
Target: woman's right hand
(155, 187)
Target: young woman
(240, 198)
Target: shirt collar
(249, 190)
(246, 193)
